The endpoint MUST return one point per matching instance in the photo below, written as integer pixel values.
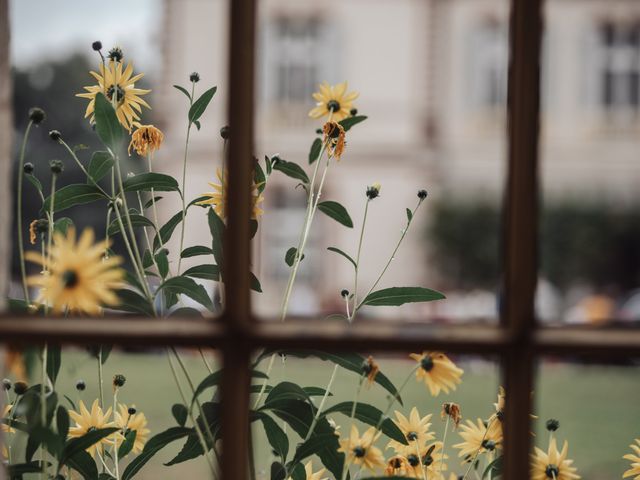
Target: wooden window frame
(517, 342)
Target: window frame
(518, 342)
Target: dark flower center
(119, 92)
(413, 460)
(411, 436)
(552, 471)
(427, 363)
(69, 279)
(359, 452)
(333, 105)
(489, 445)
(396, 463)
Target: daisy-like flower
(145, 139)
(218, 198)
(114, 81)
(437, 371)
(334, 137)
(137, 422)
(431, 457)
(309, 475)
(78, 279)
(451, 410)
(360, 450)
(415, 429)
(552, 464)
(478, 439)
(333, 100)
(88, 421)
(634, 458)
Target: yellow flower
(146, 139)
(88, 421)
(478, 439)
(431, 457)
(360, 450)
(77, 279)
(218, 198)
(437, 371)
(415, 429)
(137, 422)
(552, 464)
(114, 80)
(333, 101)
(32, 232)
(309, 475)
(634, 471)
(334, 138)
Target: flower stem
(444, 441)
(100, 376)
(355, 287)
(479, 448)
(115, 438)
(351, 420)
(43, 406)
(321, 406)
(264, 383)
(424, 471)
(23, 269)
(84, 170)
(184, 178)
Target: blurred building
(432, 77)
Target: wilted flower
(370, 368)
(145, 139)
(334, 138)
(451, 410)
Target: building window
(489, 62)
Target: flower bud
(57, 167)
(55, 135)
(373, 191)
(6, 384)
(344, 293)
(81, 386)
(422, 194)
(28, 167)
(194, 77)
(20, 388)
(97, 45)
(225, 132)
(119, 380)
(37, 115)
(318, 131)
(131, 411)
(115, 54)
(353, 112)
(553, 424)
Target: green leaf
(213, 379)
(253, 228)
(159, 182)
(99, 166)
(298, 472)
(136, 222)
(153, 446)
(216, 227)
(396, 296)
(316, 391)
(54, 359)
(127, 445)
(276, 436)
(337, 212)
(278, 472)
(107, 125)
(349, 122)
(201, 104)
(62, 422)
(197, 124)
(371, 416)
(183, 90)
(187, 286)
(72, 195)
(409, 215)
(286, 391)
(291, 169)
(206, 272)
(167, 230)
(340, 252)
(130, 301)
(268, 164)
(180, 413)
(34, 181)
(151, 201)
(196, 251)
(190, 450)
(147, 259)
(259, 177)
(83, 463)
(62, 225)
(16, 470)
(254, 283)
(82, 443)
(290, 256)
(163, 263)
(314, 153)
(312, 446)
(495, 468)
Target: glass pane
(596, 410)
(169, 262)
(294, 394)
(433, 89)
(589, 222)
(138, 381)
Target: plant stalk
(23, 269)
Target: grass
(597, 406)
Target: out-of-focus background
(432, 80)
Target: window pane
(170, 264)
(475, 395)
(589, 222)
(433, 86)
(596, 410)
(146, 395)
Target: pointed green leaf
(290, 256)
(190, 450)
(54, 359)
(340, 252)
(107, 125)
(99, 165)
(82, 443)
(151, 201)
(217, 228)
(83, 463)
(126, 446)
(349, 122)
(254, 283)
(33, 180)
(153, 446)
(62, 225)
(163, 262)
(201, 104)
(396, 296)
(62, 422)
(187, 286)
(183, 90)
(314, 153)
(337, 212)
(180, 413)
(196, 251)
(159, 182)
(409, 215)
(206, 272)
(167, 230)
(137, 221)
(291, 169)
(312, 446)
(276, 436)
(130, 301)
(72, 195)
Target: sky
(43, 29)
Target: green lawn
(597, 406)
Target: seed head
(37, 115)
(552, 425)
(373, 191)
(55, 135)
(115, 54)
(20, 388)
(57, 167)
(131, 411)
(119, 380)
(194, 77)
(225, 132)
(6, 384)
(28, 167)
(97, 45)
(422, 194)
